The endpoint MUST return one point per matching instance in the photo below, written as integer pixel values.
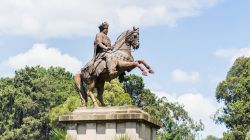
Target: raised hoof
(151, 71)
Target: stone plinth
(108, 123)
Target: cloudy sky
(191, 44)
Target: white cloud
(232, 54)
(169, 96)
(65, 18)
(181, 76)
(41, 55)
(199, 107)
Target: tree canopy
(234, 92)
(211, 137)
(27, 98)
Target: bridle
(129, 36)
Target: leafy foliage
(211, 137)
(57, 134)
(69, 105)
(27, 98)
(134, 86)
(234, 91)
(248, 135)
(114, 94)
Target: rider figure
(102, 48)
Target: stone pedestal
(110, 123)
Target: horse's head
(132, 38)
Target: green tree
(177, 125)
(234, 92)
(27, 98)
(134, 86)
(211, 137)
(248, 135)
(115, 95)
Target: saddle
(94, 68)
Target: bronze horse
(123, 59)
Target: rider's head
(104, 27)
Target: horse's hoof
(95, 105)
(84, 104)
(151, 71)
(144, 73)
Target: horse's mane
(120, 39)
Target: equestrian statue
(108, 63)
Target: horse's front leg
(132, 65)
(150, 70)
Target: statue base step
(110, 123)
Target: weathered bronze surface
(108, 63)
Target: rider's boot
(111, 68)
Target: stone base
(109, 123)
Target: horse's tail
(80, 86)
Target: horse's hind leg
(81, 91)
(132, 65)
(100, 89)
(150, 70)
(91, 87)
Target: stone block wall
(108, 123)
(110, 131)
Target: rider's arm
(99, 42)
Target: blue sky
(190, 44)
